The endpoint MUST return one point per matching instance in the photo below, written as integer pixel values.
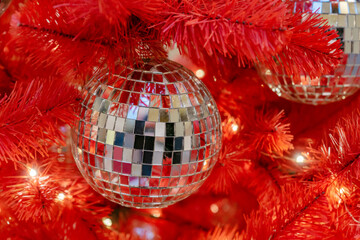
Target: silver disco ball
(148, 136)
(344, 15)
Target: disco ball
(344, 15)
(148, 136)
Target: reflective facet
(147, 136)
(344, 15)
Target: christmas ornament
(335, 86)
(147, 136)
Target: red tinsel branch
(231, 158)
(249, 31)
(57, 41)
(49, 196)
(116, 13)
(264, 131)
(313, 46)
(38, 202)
(246, 30)
(300, 208)
(298, 213)
(252, 31)
(31, 116)
(222, 233)
(269, 133)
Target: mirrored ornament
(344, 81)
(148, 135)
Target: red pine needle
(245, 30)
(308, 210)
(31, 116)
(269, 133)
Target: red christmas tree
(285, 170)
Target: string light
(214, 208)
(342, 193)
(156, 213)
(32, 172)
(107, 222)
(300, 159)
(61, 196)
(235, 127)
(200, 73)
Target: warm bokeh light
(200, 73)
(61, 196)
(32, 172)
(156, 213)
(341, 194)
(107, 222)
(214, 208)
(235, 127)
(300, 159)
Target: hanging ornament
(147, 136)
(335, 86)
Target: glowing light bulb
(32, 172)
(200, 73)
(342, 193)
(214, 208)
(61, 196)
(107, 222)
(235, 127)
(156, 213)
(300, 159)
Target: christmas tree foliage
(285, 170)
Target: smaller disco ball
(148, 136)
(316, 91)
(344, 81)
